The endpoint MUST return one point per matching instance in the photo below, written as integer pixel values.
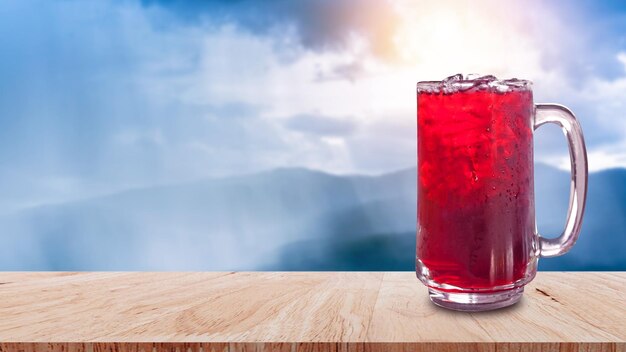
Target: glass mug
(477, 242)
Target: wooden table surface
(319, 311)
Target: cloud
(621, 57)
(384, 145)
(321, 125)
(350, 71)
(600, 106)
(378, 28)
(95, 97)
(318, 25)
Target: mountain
(602, 242)
(285, 219)
(215, 224)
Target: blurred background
(279, 134)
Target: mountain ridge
(295, 169)
(264, 220)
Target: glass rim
(460, 83)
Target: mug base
(475, 302)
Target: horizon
(257, 173)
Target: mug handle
(564, 118)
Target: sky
(102, 96)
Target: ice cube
(517, 83)
(450, 84)
(499, 86)
(454, 78)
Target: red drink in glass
(477, 244)
(475, 191)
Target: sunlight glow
(454, 34)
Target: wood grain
(556, 307)
(321, 311)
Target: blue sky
(100, 96)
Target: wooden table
(322, 311)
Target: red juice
(476, 226)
